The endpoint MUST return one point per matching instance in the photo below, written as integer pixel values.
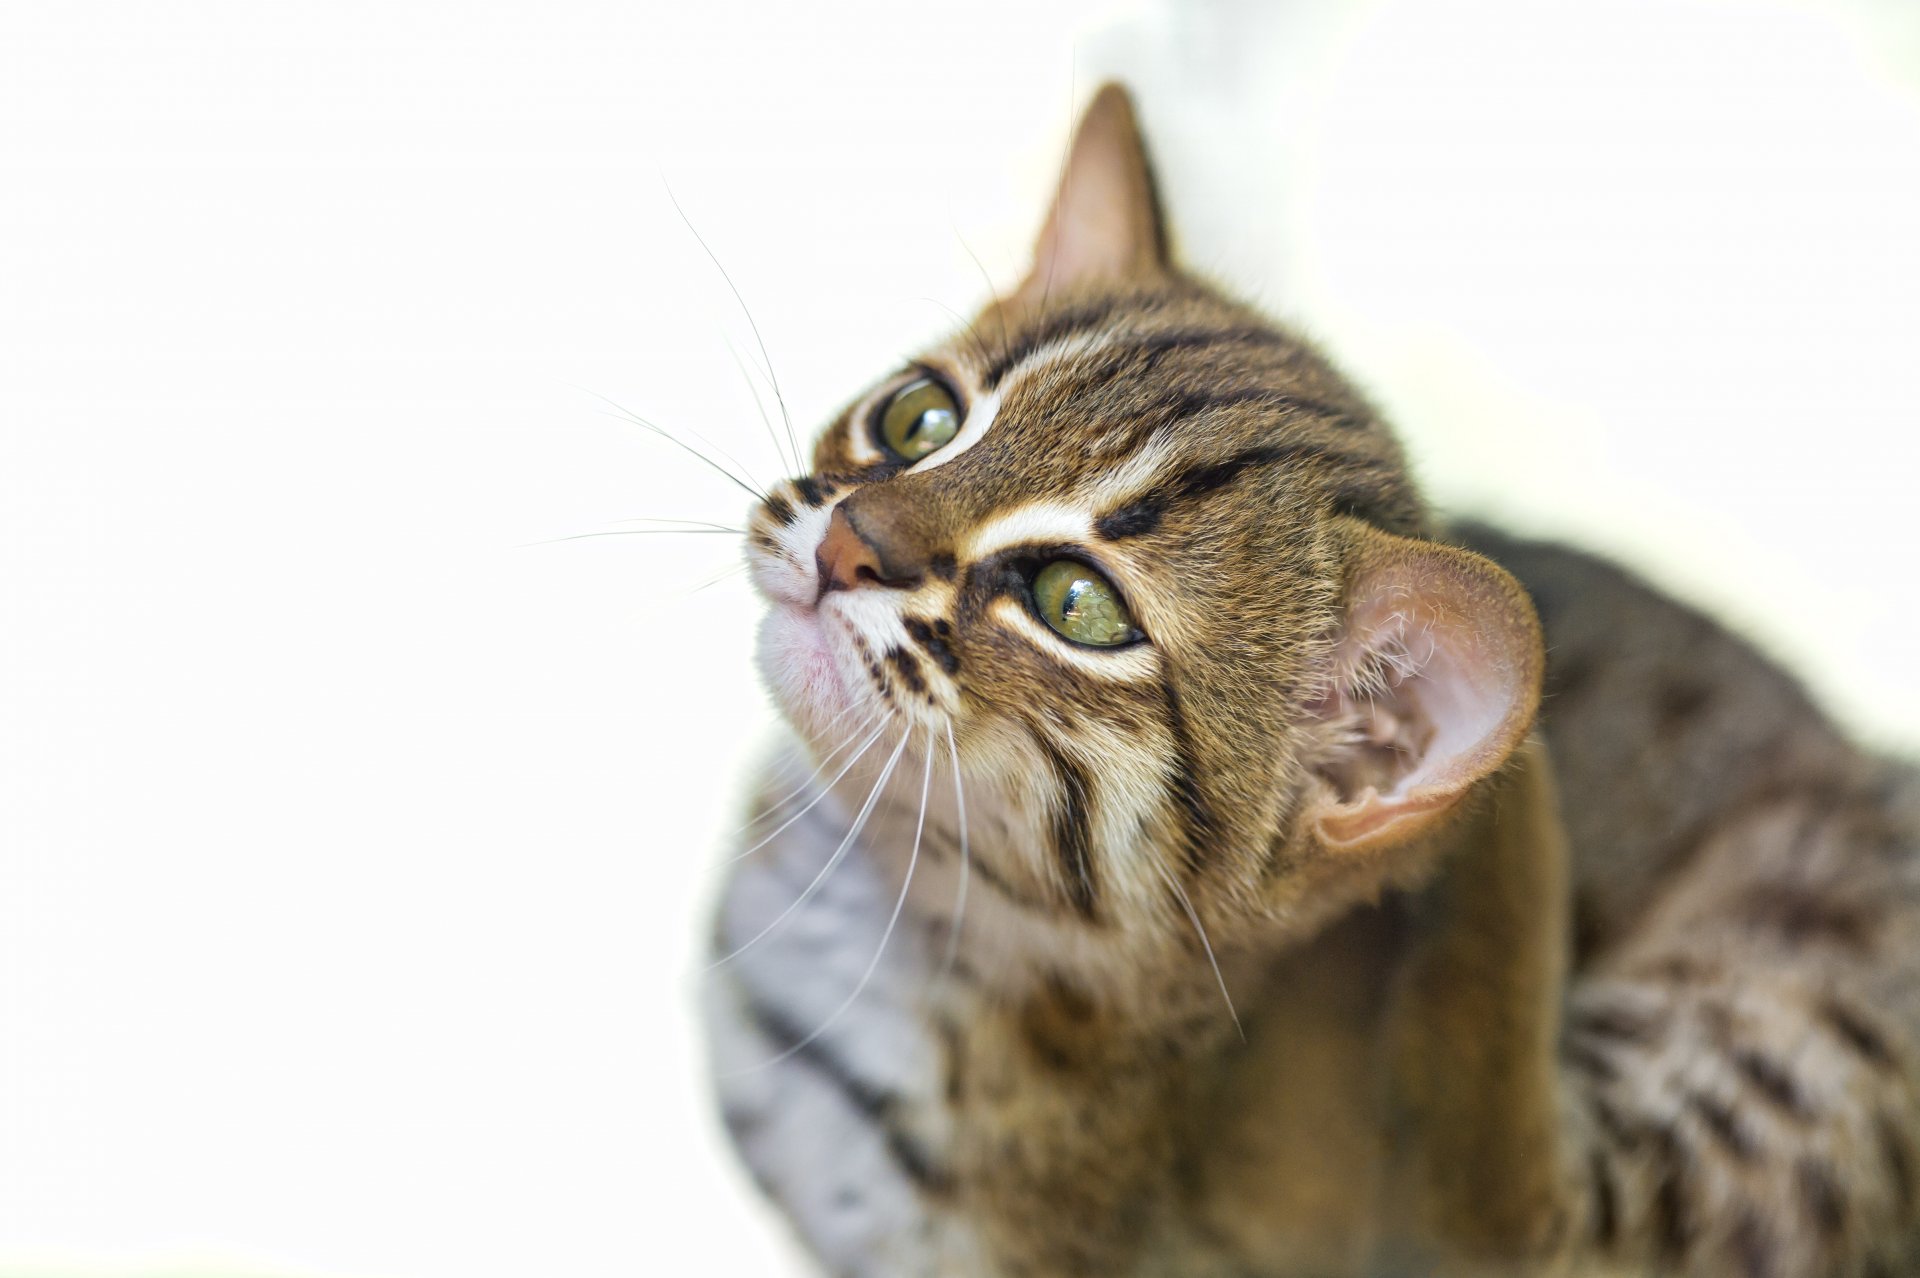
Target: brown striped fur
(1623, 988)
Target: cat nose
(850, 556)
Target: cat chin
(797, 661)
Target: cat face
(1150, 560)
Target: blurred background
(355, 835)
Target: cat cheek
(780, 579)
(800, 670)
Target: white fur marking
(1035, 522)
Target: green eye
(1082, 605)
(920, 418)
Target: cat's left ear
(1435, 680)
(1105, 226)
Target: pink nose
(847, 560)
(844, 559)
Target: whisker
(1006, 340)
(628, 415)
(711, 582)
(906, 885)
(637, 532)
(791, 465)
(750, 485)
(960, 893)
(696, 523)
(767, 359)
(622, 411)
(1205, 944)
(1066, 173)
(824, 792)
(839, 854)
(773, 808)
(973, 335)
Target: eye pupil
(920, 418)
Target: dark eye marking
(1132, 520)
(1003, 574)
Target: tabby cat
(1191, 859)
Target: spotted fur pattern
(1045, 960)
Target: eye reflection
(920, 418)
(1082, 605)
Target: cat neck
(984, 909)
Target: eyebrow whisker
(767, 359)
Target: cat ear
(1435, 681)
(1105, 225)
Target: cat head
(1161, 573)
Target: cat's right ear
(1435, 681)
(1105, 226)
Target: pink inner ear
(1090, 238)
(1438, 677)
(1457, 690)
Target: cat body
(1250, 912)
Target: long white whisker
(859, 823)
(1205, 944)
(773, 808)
(760, 407)
(691, 523)
(960, 893)
(628, 415)
(739, 465)
(825, 790)
(751, 482)
(710, 582)
(906, 885)
(758, 340)
(636, 532)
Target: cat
(1193, 859)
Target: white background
(353, 852)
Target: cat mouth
(802, 667)
(819, 650)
